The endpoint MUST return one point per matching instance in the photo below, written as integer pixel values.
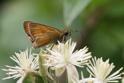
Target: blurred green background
(100, 26)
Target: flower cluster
(26, 62)
(64, 58)
(101, 71)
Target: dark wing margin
(27, 30)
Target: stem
(42, 69)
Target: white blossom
(101, 71)
(63, 57)
(26, 62)
(89, 80)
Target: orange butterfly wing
(41, 34)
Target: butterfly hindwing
(44, 39)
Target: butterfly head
(65, 35)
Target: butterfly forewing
(41, 34)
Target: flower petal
(72, 74)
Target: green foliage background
(100, 26)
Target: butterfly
(41, 34)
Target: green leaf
(32, 77)
(72, 8)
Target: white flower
(122, 81)
(89, 80)
(102, 71)
(26, 62)
(62, 57)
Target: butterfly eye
(66, 33)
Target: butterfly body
(41, 34)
